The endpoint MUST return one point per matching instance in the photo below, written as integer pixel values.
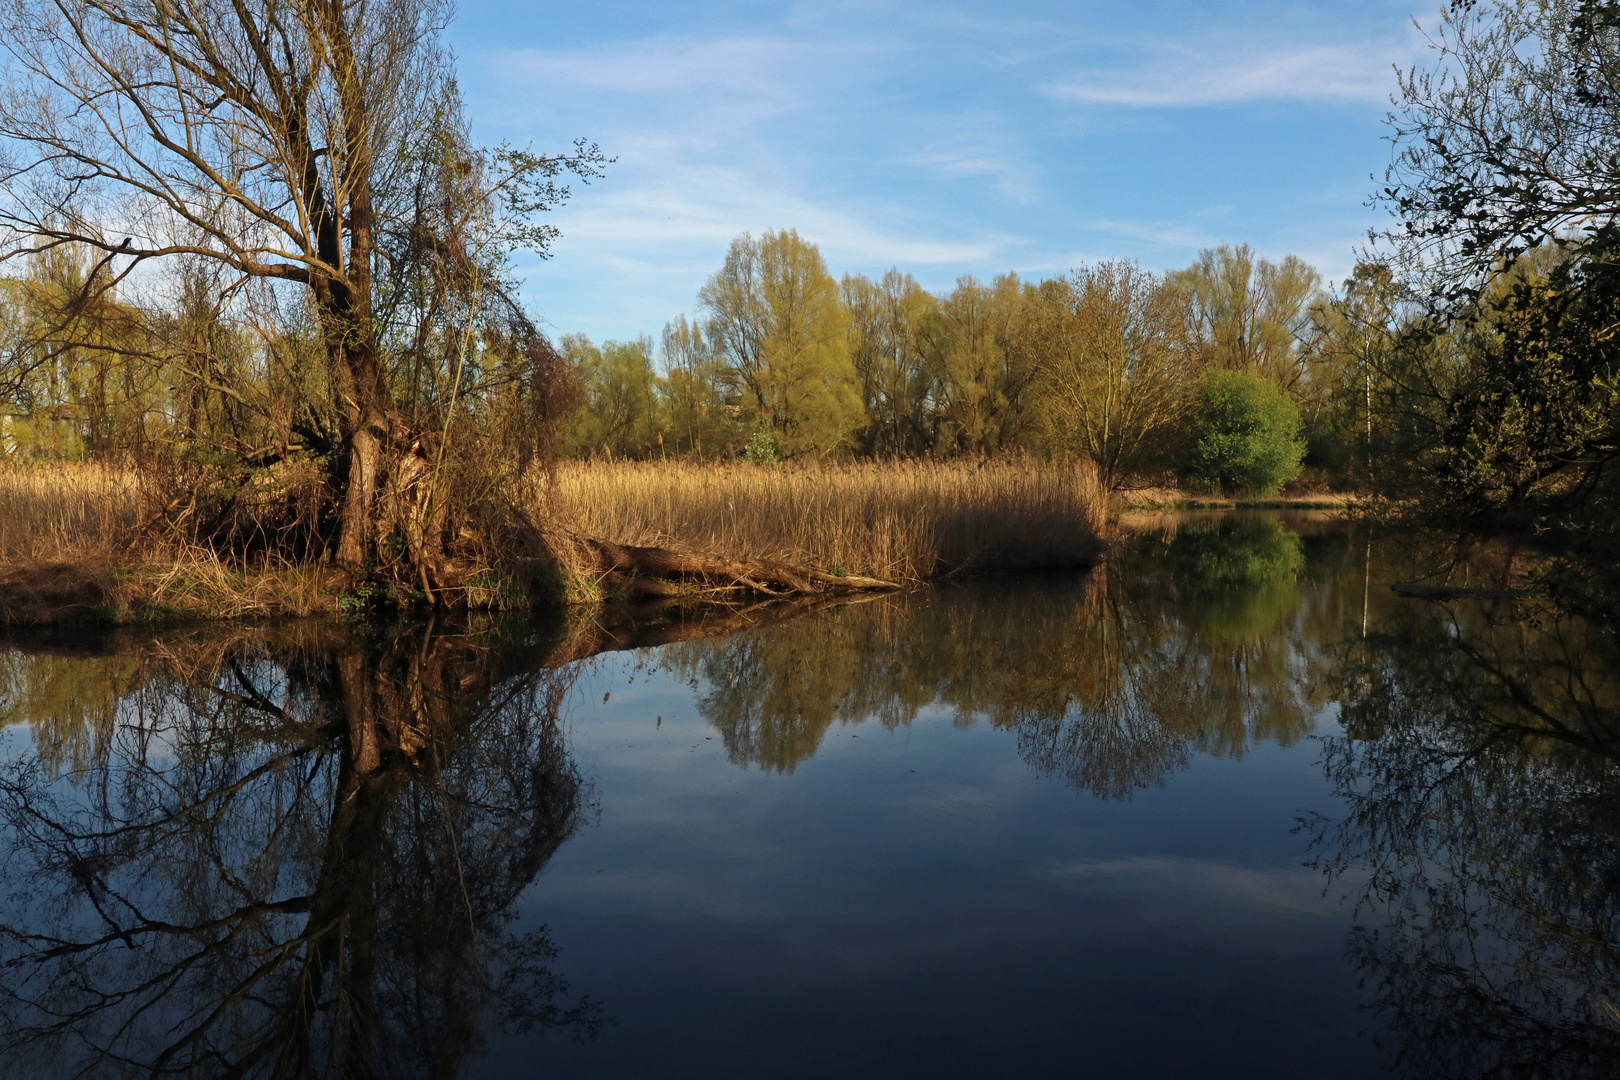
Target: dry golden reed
(65, 548)
(901, 521)
(66, 529)
(65, 511)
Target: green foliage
(367, 597)
(763, 449)
(621, 410)
(1109, 376)
(1537, 413)
(1503, 189)
(1246, 313)
(777, 321)
(493, 589)
(982, 370)
(1244, 434)
(698, 415)
(1239, 578)
(888, 328)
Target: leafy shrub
(762, 448)
(1244, 434)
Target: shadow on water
(1480, 762)
(289, 854)
(297, 852)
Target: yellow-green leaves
(620, 411)
(777, 323)
(1111, 375)
(1246, 313)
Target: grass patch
(1171, 498)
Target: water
(1231, 808)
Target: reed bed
(900, 521)
(65, 511)
(67, 530)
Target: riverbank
(1170, 498)
(71, 548)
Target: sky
(938, 137)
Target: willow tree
(694, 399)
(980, 401)
(777, 321)
(1111, 378)
(888, 321)
(312, 153)
(1246, 313)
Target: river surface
(1227, 808)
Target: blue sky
(942, 138)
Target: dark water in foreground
(1230, 808)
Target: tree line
(254, 246)
(1137, 372)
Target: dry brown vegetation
(66, 536)
(65, 511)
(71, 542)
(899, 521)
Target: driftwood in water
(653, 571)
(1419, 591)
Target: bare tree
(313, 151)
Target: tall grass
(65, 511)
(902, 521)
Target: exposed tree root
(653, 571)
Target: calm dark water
(1230, 808)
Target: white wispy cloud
(664, 64)
(902, 134)
(1210, 74)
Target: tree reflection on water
(1110, 680)
(1479, 754)
(289, 855)
(296, 852)
(1481, 766)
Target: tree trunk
(359, 498)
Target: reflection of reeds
(903, 521)
(59, 511)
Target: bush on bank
(1244, 435)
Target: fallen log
(655, 571)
